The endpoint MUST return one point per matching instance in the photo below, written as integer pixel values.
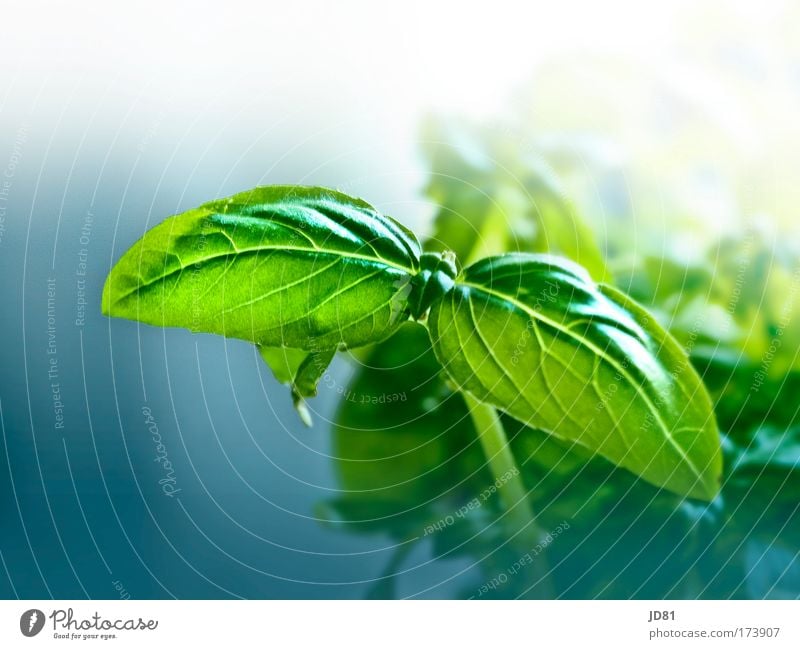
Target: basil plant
(304, 272)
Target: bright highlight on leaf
(305, 271)
(301, 267)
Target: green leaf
(302, 267)
(535, 337)
(299, 369)
(283, 361)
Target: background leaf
(743, 294)
(495, 194)
(405, 449)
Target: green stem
(494, 442)
(511, 489)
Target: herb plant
(511, 187)
(304, 272)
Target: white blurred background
(712, 88)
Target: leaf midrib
(601, 354)
(314, 251)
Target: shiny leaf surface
(535, 337)
(303, 267)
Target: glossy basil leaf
(302, 267)
(534, 336)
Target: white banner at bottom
(403, 624)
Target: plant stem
(494, 442)
(511, 489)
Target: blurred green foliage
(742, 298)
(495, 195)
(412, 466)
